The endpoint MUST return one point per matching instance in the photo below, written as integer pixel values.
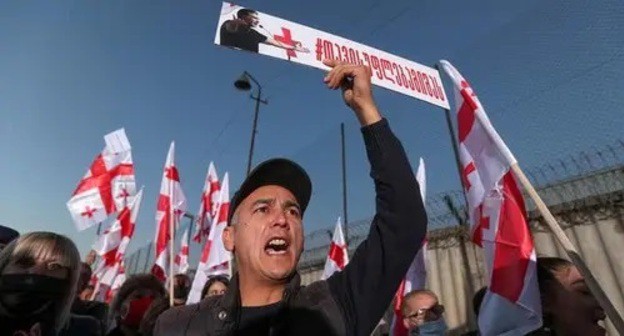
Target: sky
(549, 74)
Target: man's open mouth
(277, 246)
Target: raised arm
(365, 288)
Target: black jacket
(80, 325)
(350, 302)
(95, 309)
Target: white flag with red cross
(215, 259)
(207, 205)
(338, 256)
(112, 244)
(416, 275)
(511, 305)
(181, 261)
(171, 197)
(106, 186)
(110, 279)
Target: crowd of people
(44, 290)
(44, 286)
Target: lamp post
(243, 84)
(191, 218)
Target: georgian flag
(215, 259)
(107, 185)
(338, 255)
(171, 197)
(511, 305)
(208, 205)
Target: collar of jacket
(230, 305)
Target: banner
(246, 29)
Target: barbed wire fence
(571, 180)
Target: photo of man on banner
(241, 32)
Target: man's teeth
(277, 242)
(277, 246)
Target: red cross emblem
(172, 173)
(287, 40)
(125, 219)
(336, 253)
(484, 224)
(468, 95)
(88, 212)
(124, 194)
(467, 170)
(207, 204)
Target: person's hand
(355, 82)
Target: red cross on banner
(287, 40)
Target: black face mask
(180, 292)
(30, 298)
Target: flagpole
(149, 251)
(563, 239)
(138, 259)
(171, 240)
(344, 184)
(190, 231)
(462, 241)
(95, 290)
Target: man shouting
(265, 233)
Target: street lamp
(243, 84)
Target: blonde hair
(43, 245)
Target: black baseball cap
(281, 172)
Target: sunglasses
(432, 313)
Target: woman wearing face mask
(38, 277)
(216, 285)
(132, 301)
(181, 288)
(148, 322)
(569, 308)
